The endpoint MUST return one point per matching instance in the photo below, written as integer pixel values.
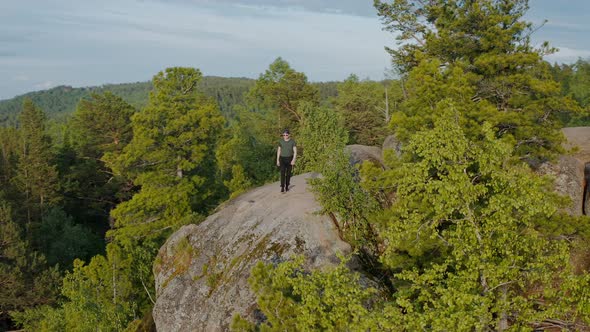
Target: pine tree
(101, 124)
(25, 279)
(281, 89)
(362, 103)
(486, 45)
(171, 159)
(171, 156)
(36, 174)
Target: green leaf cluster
(294, 300)
(465, 233)
(363, 107)
(324, 138)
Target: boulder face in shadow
(568, 173)
(360, 153)
(202, 270)
(569, 170)
(392, 143)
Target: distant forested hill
(61, 101)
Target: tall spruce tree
(25, 279)
(9, 148)
(36, 175)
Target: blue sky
(45, 43)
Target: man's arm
(294, 155)
(278, 155)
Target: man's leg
(288, 175)
(283, 172)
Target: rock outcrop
(569, 169)
(360, 153)
(392, 143)
(202, 270)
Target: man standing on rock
(286, 155)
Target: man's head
(286, 133)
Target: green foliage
(170, 156)
(100, 124)
(579, 84)
(323, 138)
(24, 276)
(575, 82)
(105, 294)
(36, 176)
(492, 62)
(450, 234)
(248, 143)
(456, 30)
(41, 319)
(9, 149)
(62, 101)
(100, 295)
(62, 240)
(227, 92)
(171, 159)
(294, 300)
(362, 105)
(239, 182)
(282, 89)
(327, 91)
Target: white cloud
(350, 7)
(45, 85)
(568, 55)
(21, 77)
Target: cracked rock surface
(202, 270)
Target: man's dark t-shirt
(287, 147)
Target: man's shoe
(283, 189)
(287, 189)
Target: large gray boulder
(360, 153)
(568, 171)
(201, 271)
